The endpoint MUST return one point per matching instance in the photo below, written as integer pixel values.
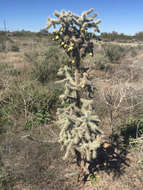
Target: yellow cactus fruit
(62, 43)
(55, 31)
(65, 45)
(57, 37)
(70, 48)
(82, 86)
(73, 61)
(91, 54)
(62, 29)
(72, 44)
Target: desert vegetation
(73, 90)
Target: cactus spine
(79, 125)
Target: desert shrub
(2, 47)
(27, 98)
(120, 98)
(24, 98)
(100, 61)
(134, 52)
(110, 69)
(31, 56)
(3, 67)
(24, 33)
(124, 72)
(5, 108)
(139, 35)
(140, 47)
(100, 66)
(46, 69)
(7, 70)
(3, 37)
(115, 36)
(5, 42)
(5, 119)
(114, 52)
(14, 71)
(34, 98)
(133, 128)
(100, 106)
(15, 48)
(2, 43)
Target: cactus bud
(61, 29)
(62, 43)
(73, 61)
(71, 44)
(57, 37)
(82, 86)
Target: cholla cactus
(79, 125)
(73, 33)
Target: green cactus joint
(80, 130)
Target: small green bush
(139, 35)
(114, 52)
(30, 96)
(41, 117)
(140, 47)
(133, 52)
(2, 47)
(5, 119)
(8, 70)
(5, 42)
(29, 100)
(46, 69)
(14, 72)
(133, 128)
(24, 99)
(100, 61)
(15, 48)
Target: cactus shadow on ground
(111, 159)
